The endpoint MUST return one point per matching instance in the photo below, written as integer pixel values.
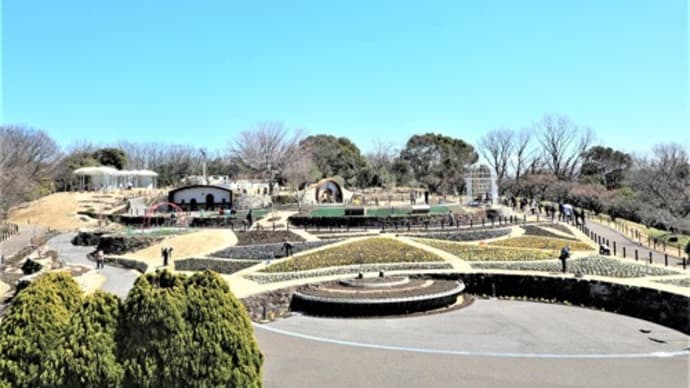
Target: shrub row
(263, 278)
(255, 237)
(465, 235)
(595, 265)
(226, 266)
(120, 244)
(400, 221)
(534, 230)
(267, 251)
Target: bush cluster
(171, 331)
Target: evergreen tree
(86, 353)
(153, 335)
(221, 333)
(33, 325)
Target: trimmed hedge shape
(543, 243)
(594, 265)
(31, 266)
(264, 278)
(226, 266)
(267, 251)
(465, 235)
(368, 251)
(258, 237)
(416, 220)
(482, 253)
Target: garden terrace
(483, 253)
(539, 231)
(264, 278)
(542, 243)
(465, 235)
(267, 251)
(255, 237)
(374, 250)
(594, 265)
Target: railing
(8, 230)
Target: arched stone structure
(328, 191)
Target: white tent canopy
(109, 178)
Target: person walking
(565, 255)
(451, 218)
(165, 253)
(250, 219)
(100, 259)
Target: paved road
(630, 246)
(571, 347)
(118, 280)
(22, 239)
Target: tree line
(553, 158)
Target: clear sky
(198, 72)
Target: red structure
(177, 214)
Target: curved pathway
(118, 280)
(488, 344)
(630, 246)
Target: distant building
(201, 197)
(327, 191)
(109, 178)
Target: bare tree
(563, 144)
(497, 147)
(663, 184)
(299, 173)
(380, 161)
(268, 149)
(27, 157)
(522, 153)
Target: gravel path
(118, 280)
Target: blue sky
(199, 72)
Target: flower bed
(685, 282)
(479, 253)
(538, 231)
(226, 266)
(264, 278)
(559, 227)
(465, 235)
(542, 243)
(594, 265)
(267, 251)
(256, 237)
(368, 251)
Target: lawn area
(542, 243)
(479, 253)
(368, 251)
(328, 212)
(594, 265)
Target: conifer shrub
(85, 356)
(33, 325)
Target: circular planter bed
(342, 300)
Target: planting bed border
(342, 307)
(274, 277)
